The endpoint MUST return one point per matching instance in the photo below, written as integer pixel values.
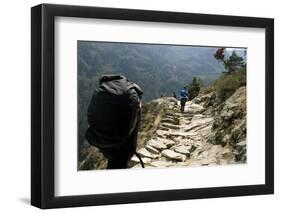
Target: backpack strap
(138, 89)
(139, 157)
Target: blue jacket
(183, 94)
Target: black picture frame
(43, 117)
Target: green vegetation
(235, 75)
(158, 69)
(193, 88)
(227, 84)
(231, 63)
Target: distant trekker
(183, 98)
(114, 119)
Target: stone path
(181, 140)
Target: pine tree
(232, 63)
(194, 88)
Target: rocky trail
(205, 134)
(181, 139)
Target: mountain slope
(158, 69)
(205, 134)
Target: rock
(195, 163)
(193, 148)
(241, 152)
(135, 160)
(226, 138)
(193, 125)
(167, 142)
(151, 149)
(197, 117)
(228, 156)
(163, 128)
(198, 123)
(144, 153)
(208, 111)
(162, 133)
(174, 120)
(190, 134)
(242, 143)
(157, 144)
(217, 138)
(227, 114)
(206, 131)
(209, 99)
(204, 155)
(161, 164)
(169, 126)
(208, 161)
(238, 133)
(183, 150)
(229, 126)
(197, 100)
(178, 133)
(173, 155)
(194, 108)
(225, 151)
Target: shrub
(227, 84)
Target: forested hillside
(158, 69)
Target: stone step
(143, 152)
(167, 142)
(157, 144)
(135, 160)
(162, 133)
(183, 150)
(173, 155)
(169, 126)
(174, 121)
(151, 149)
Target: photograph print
(148, 106)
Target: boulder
(183, 150)
(173, 155)
(151, 149)
(157, 144)
(194, 108)
(144, 153)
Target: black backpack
(113, 111)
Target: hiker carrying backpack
(183, 98)
(114, 119)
